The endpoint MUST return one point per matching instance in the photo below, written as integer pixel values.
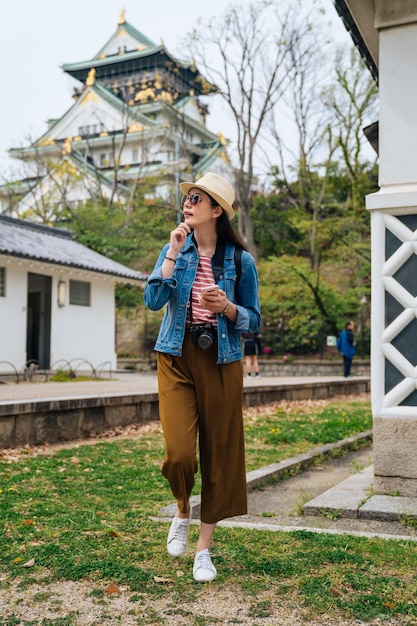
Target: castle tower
(137, 114)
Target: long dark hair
(225, 230)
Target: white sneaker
(203, 570)
(178, 536)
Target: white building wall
(84, 335)
(393, 214)
(90, 110)
(79, 334)
(13, 309)
(398, 95)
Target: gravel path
(51, 604)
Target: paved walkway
(121, 383)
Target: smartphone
(210, 289)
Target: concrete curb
(270, 473)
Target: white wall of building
(78, 333)
(84, 333)
(398, 95)
(13, 315)
(90, 110)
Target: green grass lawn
(85, 512)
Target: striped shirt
(203, 278)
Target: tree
(132, 238)
(246, 53)
(352, 100)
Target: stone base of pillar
(395, 458)
(388, 485)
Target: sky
(38, 36)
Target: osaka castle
(138, 115)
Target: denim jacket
(175, 291)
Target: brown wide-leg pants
(199, 397)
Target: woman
(200, 373)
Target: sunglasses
(193, 199)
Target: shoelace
(180, 532)
(204, 560)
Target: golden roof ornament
(122, 18)
(91, 77)
(222, 139)
(157, 80)
(145, 94)
(67, 147)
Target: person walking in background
(199, 356)
(252, 348)
(346, 346)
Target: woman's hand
(177, 238)
(214, 302)
(176, 241)
(219, 303)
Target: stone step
(353, 498)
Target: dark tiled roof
(26, 240)
(350, 25)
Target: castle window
(103, 159)
(93, 129)
(135, 155)
(79, 293)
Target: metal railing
(31, 370)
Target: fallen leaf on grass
(17, 559)
(113, 589)
(160, 579)
(27, 522)
(336, 592)
(389, 605)
(114, 533)
(180, 573)
(30, 563)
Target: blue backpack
(339, 342)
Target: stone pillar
(394, 254)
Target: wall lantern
(62, 292)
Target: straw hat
(217, 187)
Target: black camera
(204, 335)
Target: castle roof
(129, 51)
